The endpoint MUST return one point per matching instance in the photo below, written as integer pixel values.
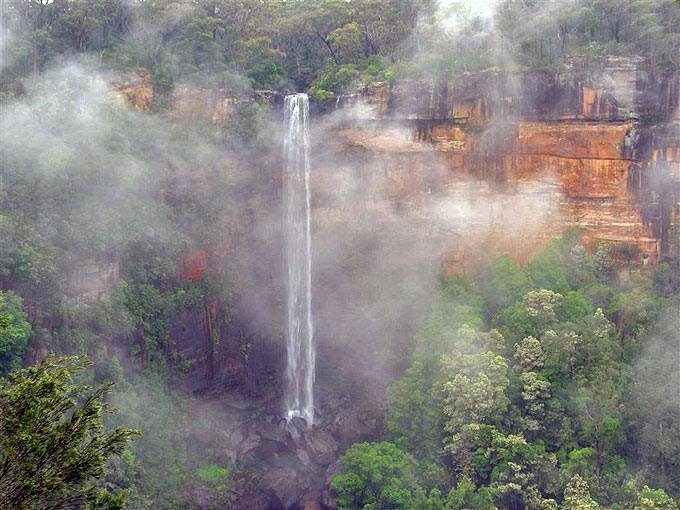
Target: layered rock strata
(491, 162)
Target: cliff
(482, 163)
(491, 162)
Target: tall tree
(52, 444)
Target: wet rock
(279, 457)
(274, 432)
(236, 437)
(303, 456)
(311, 501)
(321, 445)
(297, 427)
(349, 430)
(332, 471)
(252, 441)
(284, 487)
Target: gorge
(446, 173)
(341, 255)
(409, 177)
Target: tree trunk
(330, 49)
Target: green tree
(547, 269)
(581, 267)
(14, 332)
(577, 496)
(521, 473)
(605, 265)
(541, 306)
(52, 444)
(465, 495)
(378, 476)
(414, 417)
(502, 284)
(473, 388)
(650, 499)
(535, 389)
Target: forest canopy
(331, 47)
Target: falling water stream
(299, 394)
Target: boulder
(303, 456)
(311, 501)
(284, 487)
(332, 471)
(321, 446)
(252, 441)
(274, 432)
(349, 429)
(297, 427)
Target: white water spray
(299, 395)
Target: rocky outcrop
(490, 162)
(295, 464)
(89, 281)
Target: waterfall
(299, 394)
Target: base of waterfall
(296, 425)
(298, 462)
(300, 416)
(295, 463)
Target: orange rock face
(136, 91)
(485, 163)
(484, 173)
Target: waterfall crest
(299, 394)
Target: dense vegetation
(330, 46)
(52, 448)
(88, 184)
(537, 387)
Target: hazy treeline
(327, 46)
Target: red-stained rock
(193, 266)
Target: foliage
(376, 475)
(52, 443)
(157, 465)
(414, 417)
(14, 332)
(605, 266)
(214, 474)
(503, 283)
(568, 398)
(326, 46)
(577, 497)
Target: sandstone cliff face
(134, 90)
(492, 162)
(488, 162)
